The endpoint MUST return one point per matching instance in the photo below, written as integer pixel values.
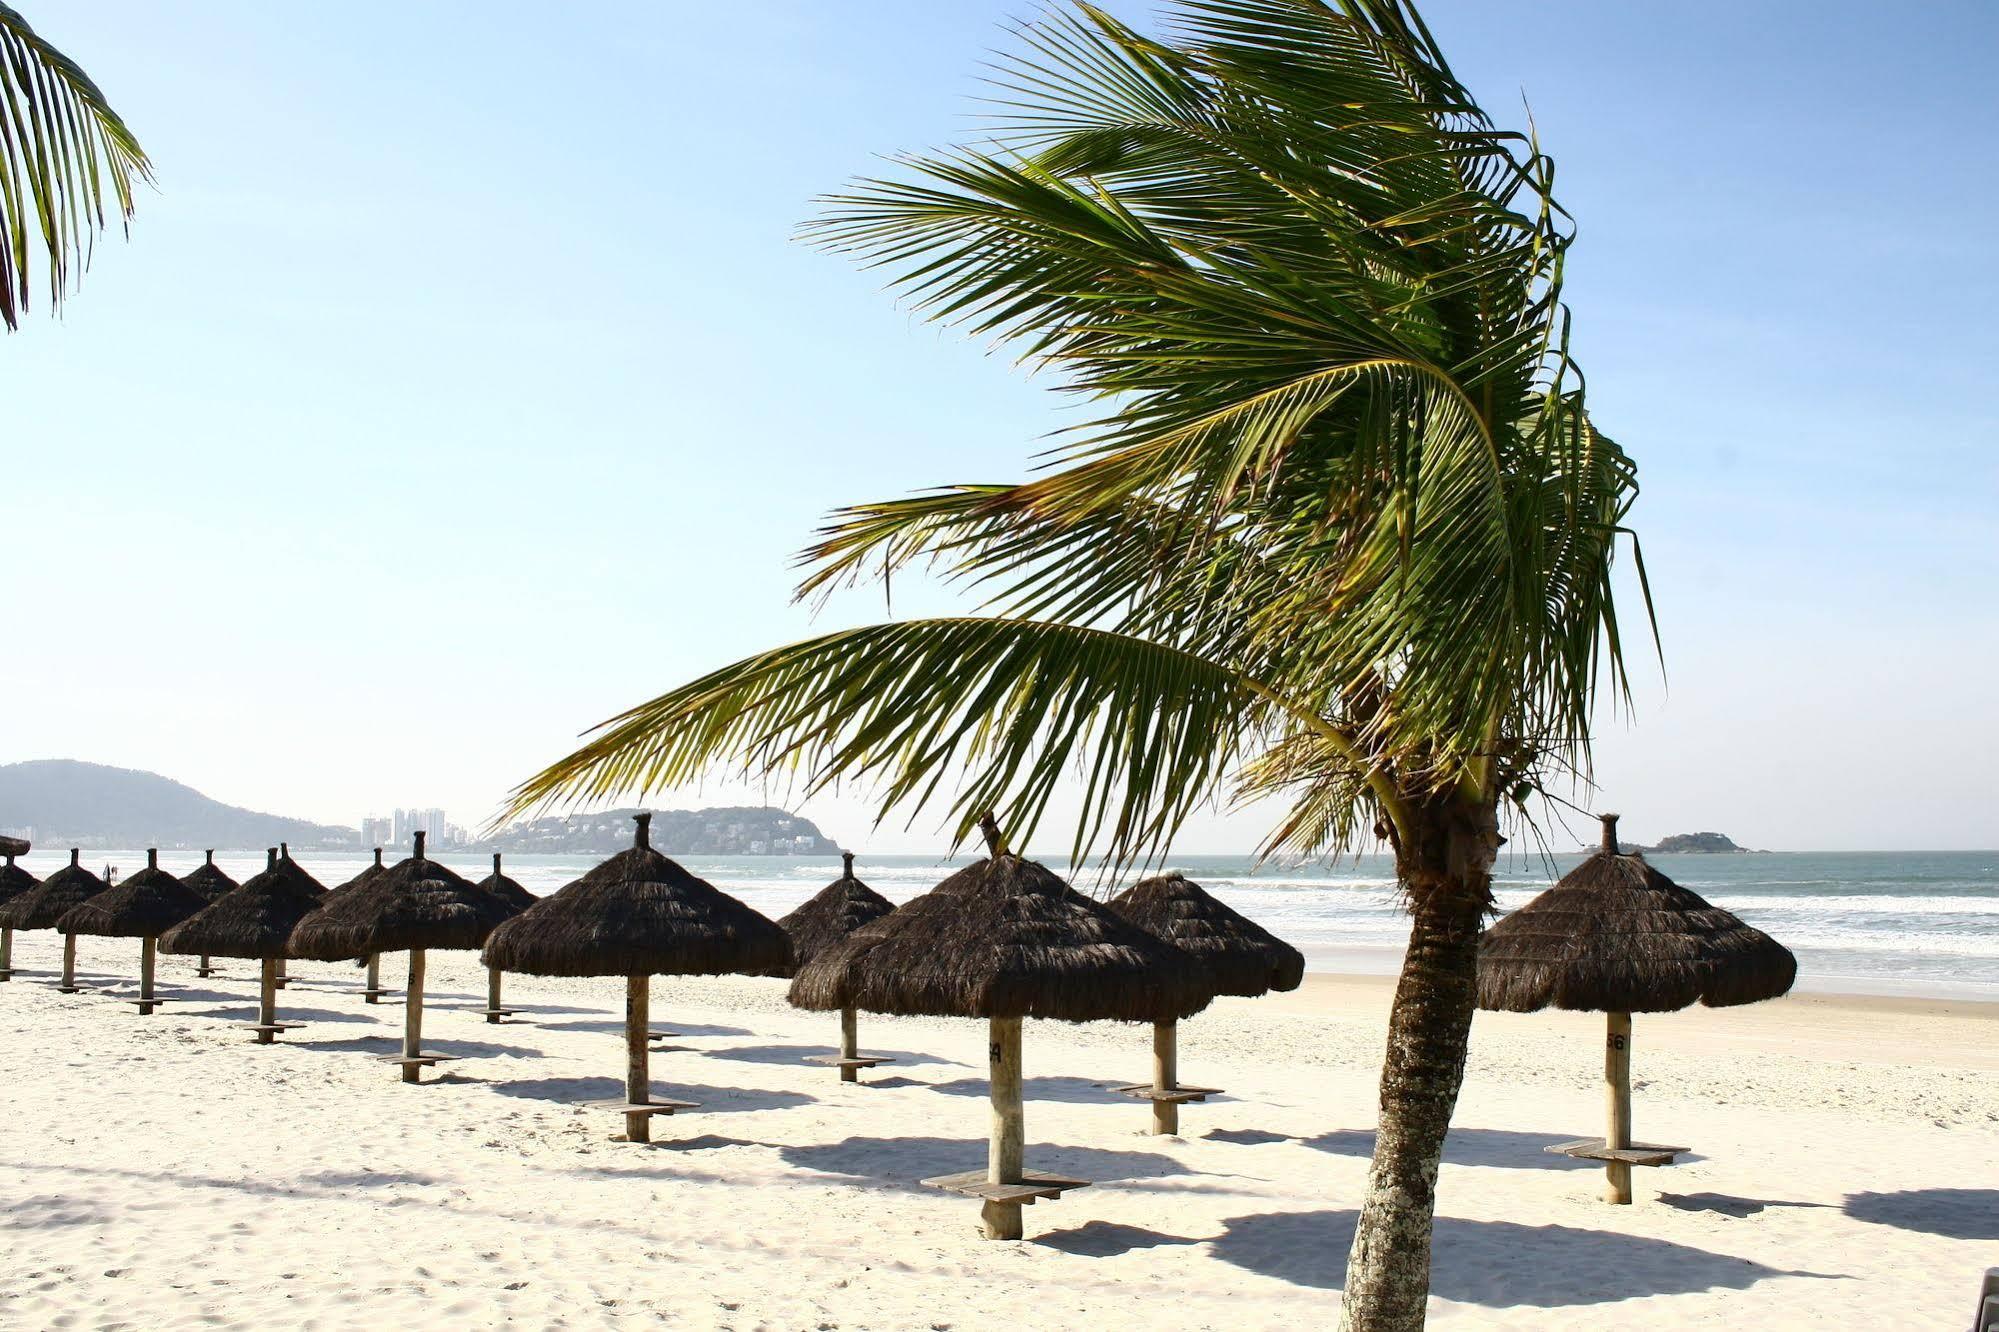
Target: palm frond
(985, 714)
(67, 165)
(1340, 452)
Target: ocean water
(1904, 922)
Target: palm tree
(64, 155)
(1339, 536)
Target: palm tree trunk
(1388, 1269)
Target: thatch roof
(11, 847)
(1617, 936)
(255, 920)
(1005, 937)
(208, 879)
(638, 914)
(1239, 955)
(416, 903)
(40, 908)
(515, 898)
(146, 904)
(361, 880)
(829, 916)
(297, 874)
(14, 881)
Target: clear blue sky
(461, 384)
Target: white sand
(163, 1172)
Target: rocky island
(735, 830)
(1698, 844)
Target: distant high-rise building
(377, 832)
(429, 822)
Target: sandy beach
(164, 1173)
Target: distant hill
(1699, 844)
(740, 830)
(61, 802)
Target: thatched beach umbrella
(513, 899)
(371, 992)
(1616, 936)
(209, 880)
(416, 904)
(1004, 939)
(13, 882)
(829, 916)
(638, 915)
(297, 873)
(1237, 955)
(253, 921)
(143, 907)
(40, 908)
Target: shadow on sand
(1969, 1214)
(1106, 1239)
(391, 1040)
(903, 1163)
(1727, 1204)
(712, 1100)
(1502, 1148)
(1076, 1091)
(1497, 1264)
(704, 1142)
(43, 1210)
(286, 1013)
(660, 1022)
(796, 1054)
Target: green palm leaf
(1340, 449)
(67, 163)
(985, 714)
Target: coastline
(1814, 978)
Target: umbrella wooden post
(374, 991)
(1009, 1127)
(267, 1002)
(68, 985)
(1617, 1102)
(638, 1080)
(1165, 1076)
(6, 954)
(284, 979)
(412, 1019)
(202, 968)
(148, 957)
(850, 1044)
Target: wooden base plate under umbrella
(1638, 1153)
(850, 1061)
(658, 1105)
(496, 1016)
(414, 1061)
(275, 1028)
(1170, 1096)
(1033, 1184)
(145, 1006)
(377, 994)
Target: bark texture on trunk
(850, 1043)
(1448, 876)
(638, 1071)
